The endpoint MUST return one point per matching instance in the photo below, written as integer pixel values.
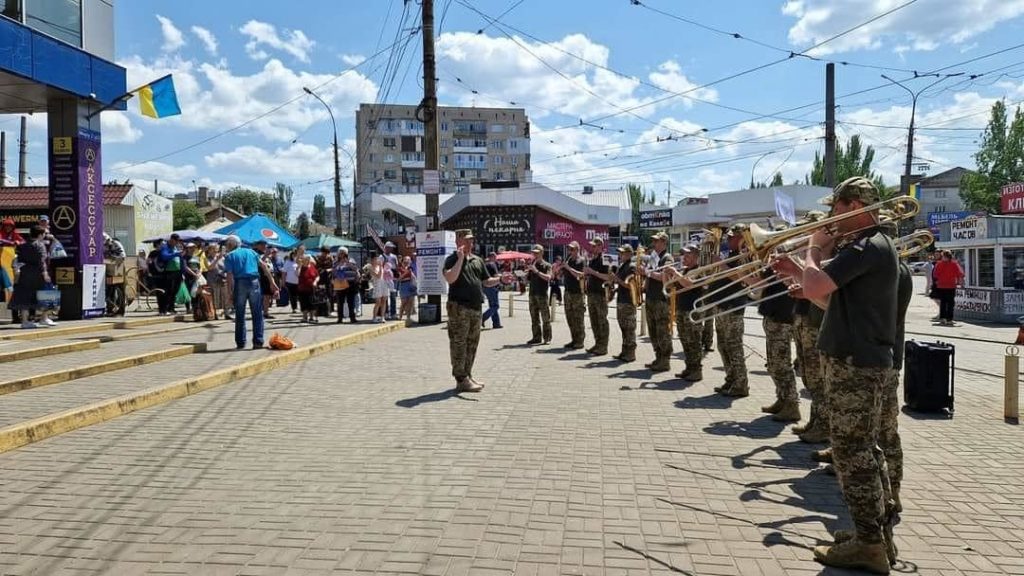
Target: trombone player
(626, 302)
(690, 333)
(729, 327)
(596, 272)
(575, 306)
(657, 303)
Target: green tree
(302, 226)
(276, 204)
(186, 215)
(852, 160)
(283, 203)
(999, 160)
(776, 181)
(319, 209)
(637, 199)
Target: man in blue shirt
(244, 267)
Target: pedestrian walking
(491, 292)
(948, 277)
(33, 276)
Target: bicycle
(138, 292)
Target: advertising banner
(974, 300)
(972, 228)
(652, 219)
(431, 250)
(1011, 198)
(553, 230)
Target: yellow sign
(65, 275)
(62, 146)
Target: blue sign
(936, 218)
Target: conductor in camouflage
(539, 276)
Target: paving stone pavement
(364, 461)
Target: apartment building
(475, 145)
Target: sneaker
(467, 385)
(854, 554)
(49, 323)
(29, 325)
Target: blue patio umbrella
(259, 227)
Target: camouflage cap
(811, 216)
(597, 241)
(574, 244)
(737, 229)
(537, 249)
(626, 248)
(690, 247)
(856, 188)
(464, 233)
(659, 235)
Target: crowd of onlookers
(31, 268)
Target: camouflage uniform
(708, 334)
(779, 335)
(463, 338)
(690, 337)
(812, 371)
(597, 308)
(658, 320)
(627, 324)
(540, 317)
(856, 406)
(889, 434)
(729, 331)
(575, 308)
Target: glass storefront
(61, 19)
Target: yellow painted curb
(132, 334)
(122, 324)
(60, 376)
(24, 433)
(99, 326)
(62, 348)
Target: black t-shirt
(860, 322)
(655, 290)
(779, 308)
(572, 284)
(538, 285)
(626, 269)
(596, 285)
(728, 296)
(468, 288)
(492, 269)
(904, 292)
(686, 297)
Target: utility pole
(830, 125)
(3, 159)
(337, 165)
(428, 109)
(23, 154)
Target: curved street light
(337, 165)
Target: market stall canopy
(191, 236)
(259, 227)
(216, 225)
(329, 241)
(513, 255)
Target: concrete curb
(44, 333)
(24, 433)
(62, 348)
(60, 376)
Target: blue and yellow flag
(914, 191)
(158, 98)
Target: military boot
(694, 374)
(824, 455)
(891, 553)
(724, 387)
(854, 554)
(772, 408)
(898, 506)
(801, 428)
(626, 356)
(789, 411)
(737, 391)
(660, 365)
(815, 435)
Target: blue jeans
(392, 302)
(248, 290)
(492, 307)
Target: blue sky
(232, 64)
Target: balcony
(413, 164)
(470, 149)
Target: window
(444, 126)
(61, 19)
(513, 144)
(389, 175)
(1013, 268)
(375, 174)
(497, 160)
(940, 194)
(389, 143)
(499, 175)
(444, 143)
(444, 159)
(497, 145)
(514, 160)
(986, 267)
(497, 127)
(371, 157)
(389, 157)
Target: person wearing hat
(538, 276)
(690, 333)
(575, 305)
(466, 276)
(656, 302)
(625, 309)
(858, 290)
(597, 300)
(806, 322)
(729, 327)
(9, 235)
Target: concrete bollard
(643, 321)
(1011, 385)
(511, 305)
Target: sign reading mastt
(555, 230)
(76, 218)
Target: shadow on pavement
(673, 385)
(710, 402)
(760, 428)
(432, 397)
(639, 374)
(653, 559)
(926, 415)
(795, 455)
(515, 347)
(610, 363)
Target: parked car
(918, 267)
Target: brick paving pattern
(364, 461)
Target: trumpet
(906, 246)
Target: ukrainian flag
(158, 98)
(914, 191)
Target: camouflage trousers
(812, 370)
(574, 311)
(729, 331)
(855, 400)
(778, 337)
(597, 309)
(463, 338)
(657, 328)
(889, 433)
(690, 335)
(708, 334)
(626, 314)
(540, 317)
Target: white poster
(94, 298)
(431, 250)
(785, 207)
(973, 300)
(1013, 303)
(971, 228)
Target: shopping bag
(278, 342)
(182, 297)
(48, 298)
(283, 296)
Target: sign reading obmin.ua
(650, 219)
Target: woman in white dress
(381, 288)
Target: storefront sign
(431, 250)
(973, 228)
(1013, 303)
(651, 219)
(557, 231)
(154, 217)
(1011, 198)
(494, 225)
(973, 300)
(936, 218)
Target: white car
(918, 267)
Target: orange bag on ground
(278, 342)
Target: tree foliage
(852, 160)
(319, 214)
(637, 198)
(302, 226)
(276, 204)
(999, 160)
(776, 181)
(186, 215)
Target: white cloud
(207, 38)
(670, 77)
(173, 38)
(260, 34)
(118, 129)
(920, 26)
(353, 59)
(294, 161)
(149, 171)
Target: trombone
(906, 246)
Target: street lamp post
(352, 202)
(337, 166)
(905, 184)
(756, 162)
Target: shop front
(991, 251)
(498, 228)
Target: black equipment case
(928, 370)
